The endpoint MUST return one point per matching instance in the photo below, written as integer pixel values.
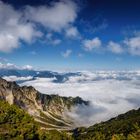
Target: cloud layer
(110, 93)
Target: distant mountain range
(59, 77)
(62, 77)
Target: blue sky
(68, 34)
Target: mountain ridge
(48, 110)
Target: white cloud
(67, 53)
(15, 78)
(13, 66)
(72, 32)
(94, 43)
(14, 28)
(20, 25)
(115, 47)
(27, 67)
(8, 66)
(133, 45)
(58, 16)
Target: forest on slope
(16, 124)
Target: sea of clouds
(110, 93)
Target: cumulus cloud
(115, 47)
(20, 25)
(110, 93)
(67, 53)
(94, 43)
(14, 28)
(58, 16)
(133, 45)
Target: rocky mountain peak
(48, 110)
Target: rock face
(48, 110)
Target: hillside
(50, 111)
(16, 124)
(123, 127)
(27, 114)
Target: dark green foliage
(123, 127)
(16, 124)
(55, 135)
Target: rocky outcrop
(48, 110)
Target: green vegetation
(55, 135)
(123, 127)
(16, 124)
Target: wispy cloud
(8, 66)
(67, 53)
(51, 40)
(13, 66)
(94, 25)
